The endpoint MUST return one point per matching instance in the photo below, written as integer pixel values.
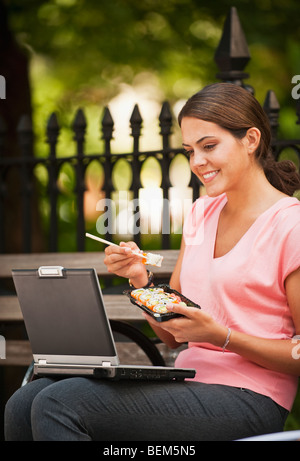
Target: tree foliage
(93, 46)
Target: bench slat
(76, 260)
(19, 353)
(118, 307)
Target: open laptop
(68, 328)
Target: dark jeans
(86, 409)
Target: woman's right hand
(119, 260)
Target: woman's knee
(17, 414)
(41, 411)
(52, 417)
(17, 424)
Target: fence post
(165, 122)
(107, 131)
(52, 136)
(136, 126)
(79, 127)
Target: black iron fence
(231, 62)
(80, 161)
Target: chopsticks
(148, 258)
(99, 239)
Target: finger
(167, 325)
(113, 262)
(119, 265)
(183, 309)
(132, 246)
(118, 257)
(117, 250)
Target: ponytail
(282, 175)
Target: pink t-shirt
(243, 290)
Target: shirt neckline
(254, 224)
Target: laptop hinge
(106, 364)
(50, 271)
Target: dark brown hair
(235, 109)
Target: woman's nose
(199, 159)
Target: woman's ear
(252, 139)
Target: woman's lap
(84, 409)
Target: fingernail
(170, 306)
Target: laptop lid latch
(50, 271)
(106, 364)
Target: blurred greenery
(84, 53)
(95, 53)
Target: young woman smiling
(243, 270)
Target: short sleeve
(289, 233)
(290, 260)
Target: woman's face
(219, 160)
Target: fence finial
(165, 119)
(107, 125)
(79, 125)
(271, 107)
(232, 54)
(52, 129)
(136, 121)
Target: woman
(242, 268)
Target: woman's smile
(209, 176)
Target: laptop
(69, 330)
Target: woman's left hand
(195, 326)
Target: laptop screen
(64, 315)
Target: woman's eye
(188, 152)
(209, 146)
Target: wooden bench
(119, 308)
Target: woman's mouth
(210, 175)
